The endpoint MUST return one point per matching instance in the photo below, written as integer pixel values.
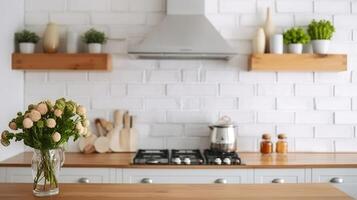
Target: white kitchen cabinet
(2, 174)
(282, 175)
(334, 175)
(348, 188)
(189, 176)
(19, 175)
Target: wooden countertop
(178, 192)
(250, 160)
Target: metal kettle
(223, 137)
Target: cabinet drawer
(337, 175)
(19, 175)
(2, 174)
(280, 176)
(189, 176)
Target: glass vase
(45, 169)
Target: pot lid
(224, 122)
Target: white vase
(295, 48)
(72, 42)
(276, 44)
(27, 47)
(51, 38)
(320, 46)
(95, 48)
(259, 41)
(269, 29)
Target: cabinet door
(2, 174)
(337, 175)
(280, 176)
(348, 188)
(19, 175)
(189, 176)
(87, 175)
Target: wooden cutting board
(133, 135)
(125, 134)
(114, 134)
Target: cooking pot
(223, 136)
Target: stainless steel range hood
(184, 33)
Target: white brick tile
(117, 103)
(237, 90)
(149, 117)
(314, 117)
(247, 144)
(117, 90)
(143, 130)
(354, 7)
(255, 129)
(45, 5)
(190, 75)
(154, 19)
(187, 142)
(330, 77)
(333, 103)
(191, 117)
(284, 20)
(36, 18)
(305, 6)
(162, 104)
(146, 5)
(324, 6)
(93, 89)
(123, 76)
(311, 90)
(237, 6)
(211, 7)
(250, 20)
(65, 76)
(146, 90)
(43, 90)
(313, 145)
(219, 103)
(347, 90)
(342, 35)
(345, 117)
(191, 103)
(240, 61)
(164, 76)
(354, 103)
(120, 5)
(305, 19)
(333, 131)
(221, 21)
(177, 64)
(257, 77)
(115, 46)
(221, 76)
(31, 76)
(343, 21)
(346, 145)
(257, 103)
(70, 18)
(241, 46)
(121, 63)
(275, 117)
(296, 131)
(192, 90)
(241, 33)
(275, 90)
(151, 142)
(166, 130)
(199, 130)
(118, 18)
(291, 77)
(240, 117)
(88, 5)
(295, 103)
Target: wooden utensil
(86, 141)
(113, 135)
(102, 143)
(107, 125)
(133, 135)
(125, 134)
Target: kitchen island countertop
(186, 192)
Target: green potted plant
(27, 41)
(320, 33)
(95, 39)
(295, 38)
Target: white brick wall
(175, 100)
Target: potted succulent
(95, 39)
(46, 127)
(27, 41)
(320, 33)
(295, 38)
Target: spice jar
(266, 146)
(281, 144)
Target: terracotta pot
(51, 38)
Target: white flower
(79, 126)
(27, 123)
(86, 123)
(42, 108)
(58, 113)
(35, 115)
(13, 126)
(51, 123)
(81, 131)
(81, 110)
(56, 136)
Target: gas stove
(186, 157)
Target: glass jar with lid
(281, 144)
(266, 146)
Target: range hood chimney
(184, 33)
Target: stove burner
(152, 156)
(186, 156)
(221, 158)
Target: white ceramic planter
(276, 44)
(295, 48)
(27, 47)
(95, 48)
(320, 46)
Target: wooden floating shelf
(298, 62)
(61, 61)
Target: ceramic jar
(51, 38)
(72, 42)
(276, 44)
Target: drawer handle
(278, 180)
(146, 180)
(336, 180)
(83, 180)
(220, 181)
